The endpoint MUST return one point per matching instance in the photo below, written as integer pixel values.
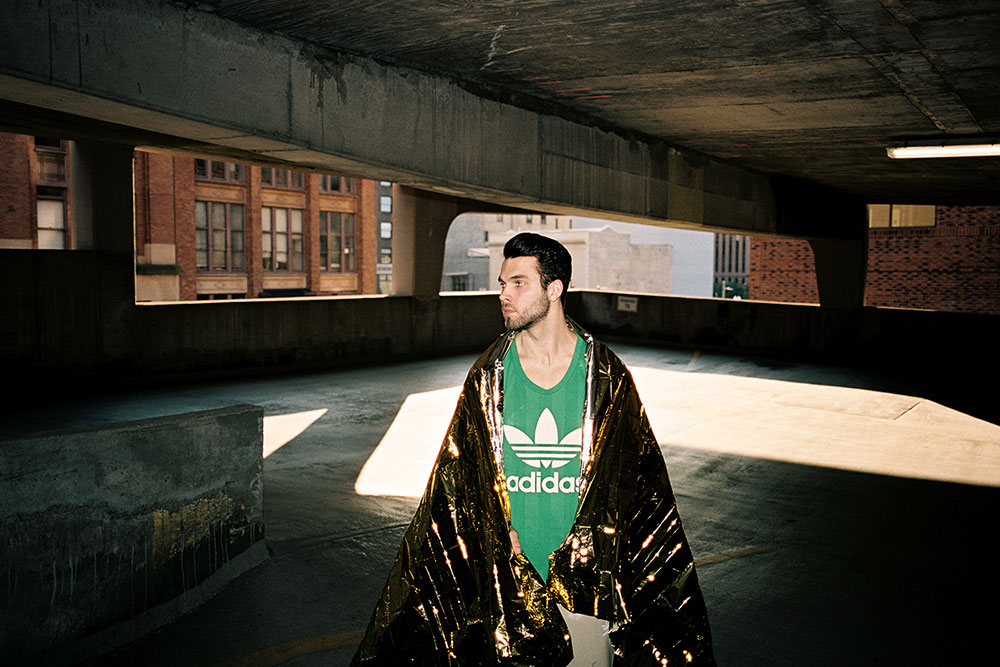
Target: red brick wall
(953, 266)
(782, 270)
(17, 184)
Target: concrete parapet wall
(57, 326)
(111, 531)
(307, 333)
(861, 336)
(934, 354)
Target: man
(548, 518)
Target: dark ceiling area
(813, 89)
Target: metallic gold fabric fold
(458, 595)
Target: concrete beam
(206, 84)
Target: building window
(218, 229)
(385, 204)
(336, 242)
(900, 215)
(218, 171)
(273, 177)
(385, 284)
(50, 192)
(460, 283)
(281, 238)
(50, 166)
(329, 183)
(334, 183)
(50, 142)
(385, 184)
(385, 230)
(51, 224)
(385, 255)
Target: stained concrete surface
(815, 564)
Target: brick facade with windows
(952, 265)
(34, 182)
(198, 231)
(215, 230)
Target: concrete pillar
(420, 222)
(103, 195)
(841, 269)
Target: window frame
(346, 244)
(229, 234)
(345, 184)
(228, 167)
(289, 175)
(50, 232)
(270, 235)
(888, 215)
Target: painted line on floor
(732, 554)
(280, 653)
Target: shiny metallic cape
(458, 595)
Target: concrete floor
(834, 523)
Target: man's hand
(514, 541)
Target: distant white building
(603, 259)
(606, 254)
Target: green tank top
(542, 438)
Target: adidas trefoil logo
(546, 450)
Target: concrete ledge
(111, 531)
(189, 340)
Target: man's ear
(555, 289)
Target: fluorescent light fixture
(943, 150)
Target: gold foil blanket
(458, 595)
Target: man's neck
(546, 349)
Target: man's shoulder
(496, 351)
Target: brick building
(927, 257)
(208, 229)
(33, 191)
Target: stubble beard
(535, 314)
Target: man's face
(523, 300)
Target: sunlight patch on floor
(402, 462)
(835, 427)
(279, 430)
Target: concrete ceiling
(807, 88)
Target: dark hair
(554, 261)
